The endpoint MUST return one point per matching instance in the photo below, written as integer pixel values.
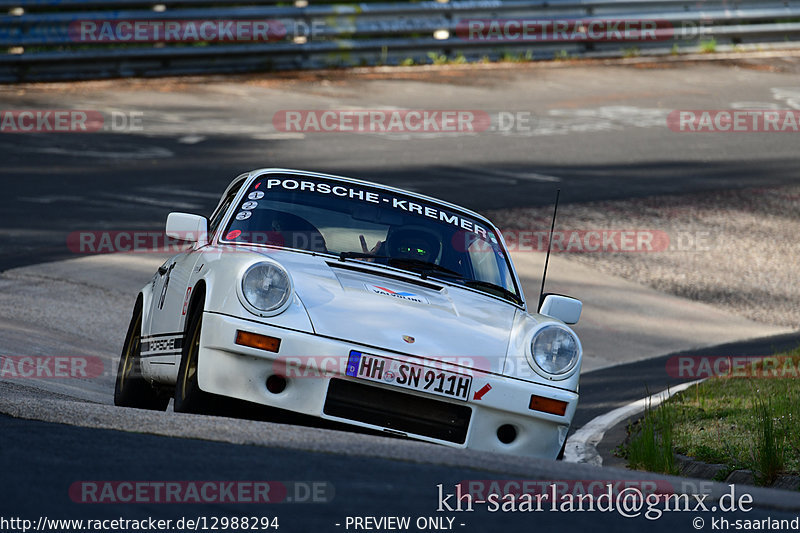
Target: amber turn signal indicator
(254, 340)
(547, 405)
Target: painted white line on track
(525, 176)
(278, 136)
(50, 199)
(154, 152)
(191, 139)
(497, 176)
(152, 201)
(582, 445)
(175, 191)
(474, 175)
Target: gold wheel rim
(191, 361)
(129, 358)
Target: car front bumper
(316, 384)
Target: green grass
(631, 51)
(561, 55)
(709, 46)
(769, 456)
(741, 422)
(651, 444)
(519, 57)
(437, 58)
(442, 59)
(460, 59)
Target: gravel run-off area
(736, 249)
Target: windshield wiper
(494, 287)
(425, 267)
(360, 255)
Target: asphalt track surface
(51, 201)
(54, 184)
(360, 486)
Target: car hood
(357, 302)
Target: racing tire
(131, 388)
(189, 398)
(560, 456)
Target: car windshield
(361, 223)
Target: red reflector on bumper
(254, 340)
(547, 405)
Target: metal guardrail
(49, 40)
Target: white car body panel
(342, 304)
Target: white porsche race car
(357, 303)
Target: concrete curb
(582, 445)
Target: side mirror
(187, 228)
(564, 308)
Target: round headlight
(266, 287)
(555, 349)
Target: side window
(219, 214)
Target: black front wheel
(131, 388)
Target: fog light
(506, 433)
(276, 384)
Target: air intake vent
(398, 411)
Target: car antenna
(549, 245)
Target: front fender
(517, 364)
(146, 293)
(221, 269)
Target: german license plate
(409, 375)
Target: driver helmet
(413, 242)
